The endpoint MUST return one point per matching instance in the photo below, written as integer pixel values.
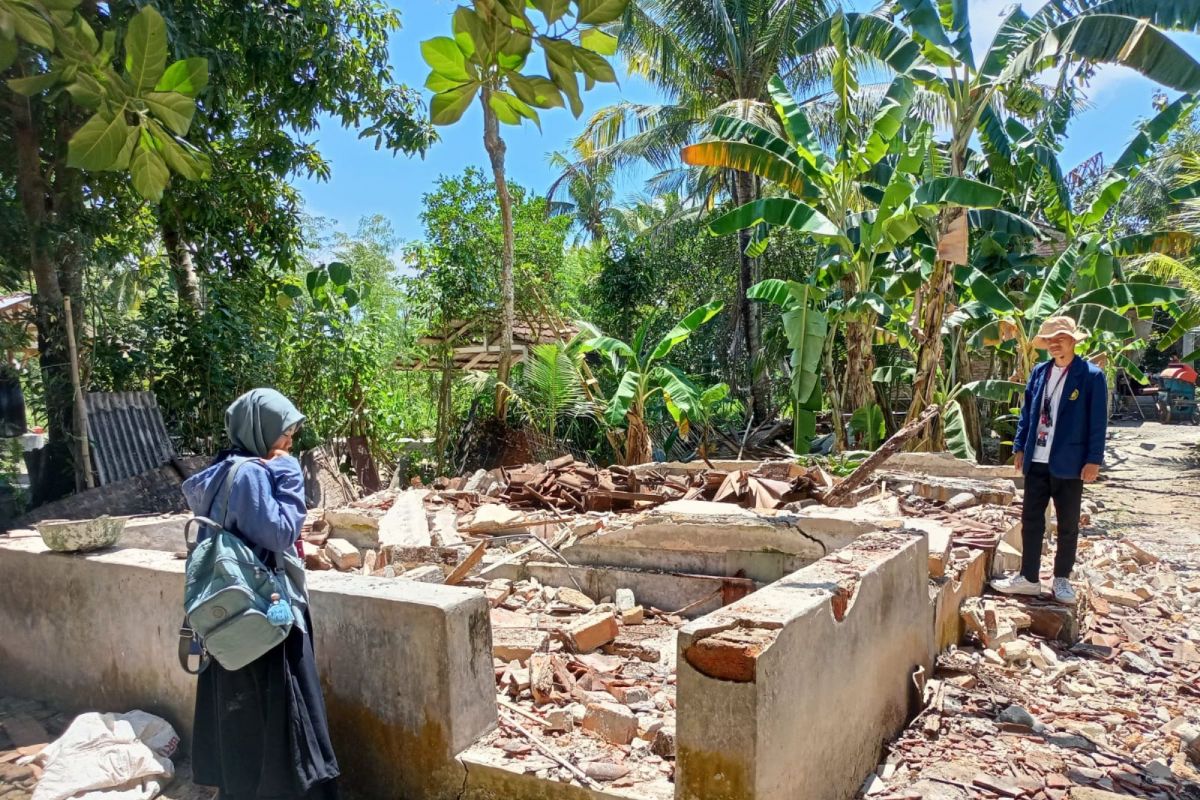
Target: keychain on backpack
(280, 613)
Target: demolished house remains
(676, 630)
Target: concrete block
(405, 523)
(344, 555)
(939, 538)
(947, 597)
(430, 573)
(612, 722)
(1000, 492)
(105, 640)
(763, 712)
(357, 524)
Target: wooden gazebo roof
(476, 343)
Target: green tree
(862, 203)
(486, 58)
(707, 59)
(276, 71)
(935, 49)
(78, 107)
(458, 267)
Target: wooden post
(85, 450)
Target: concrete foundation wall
(700, 537)
(698, 594)
(792, 691)
(407, 667)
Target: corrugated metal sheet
(127, 435)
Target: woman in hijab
(260, 732)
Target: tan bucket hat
(1057, 326)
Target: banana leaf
(685, 328)
(954, 423)
(806, 329)
(780, 211)
(998, 391)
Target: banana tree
(806, 329)
(932, 44)
(1091, 265)
(643, 373)
(862, 203)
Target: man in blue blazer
(1059, 446)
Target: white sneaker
(1017, 584)
(1063, 592)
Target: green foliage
(493, 40)
(868, 426)
(138, 114)
(458, 262)
(642, 374)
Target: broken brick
(730, 655)
(613, 722)
(593, 631)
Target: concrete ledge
(947, 595)
(722, 539)
(947, 465)
(792, 691)
(407, 667)
(662, 590)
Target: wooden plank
(467, 565)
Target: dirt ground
(1150, 489)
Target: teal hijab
(256, 419)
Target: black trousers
(1040, 488)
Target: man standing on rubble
(1059, 446)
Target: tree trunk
(179, 257)
(637, 440)
(749, 316)
(835, 397)
(931, 301)
(968, 404)
(858, 389)
(496, 149)
(55, 477)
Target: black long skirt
(261, 732)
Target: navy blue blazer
(1080, 422)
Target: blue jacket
(1080, 422)
(266, 501)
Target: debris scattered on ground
(1021, 712)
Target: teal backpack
(237, 608)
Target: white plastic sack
(108, 757)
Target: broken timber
(841, 493)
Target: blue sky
(366, 181)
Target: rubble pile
(585, 690)
(1034, 708)
(564, 484)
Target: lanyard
(1050, 393)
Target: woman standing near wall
(261, 731)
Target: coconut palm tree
(707, 59)
(589, 185)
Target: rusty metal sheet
(127, 435)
